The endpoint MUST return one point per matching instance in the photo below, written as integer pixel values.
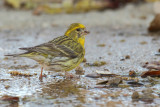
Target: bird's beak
(86, 32)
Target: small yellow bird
(63, 53)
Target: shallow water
(132, 40)
(79, 91)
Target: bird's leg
(69, 75)
(41, 72)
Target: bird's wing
(53, 49)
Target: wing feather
(53, 49)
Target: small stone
(155, 24)
(127, 57)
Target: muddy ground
(122, 32)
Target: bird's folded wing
(52, 49)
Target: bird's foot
(69, 75)
(41, 76)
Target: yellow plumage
(63, 53)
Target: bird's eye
(78, 29)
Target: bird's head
(77, 32)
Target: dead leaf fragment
(96, 63)
(93, 75)
(150, 73)
(102, 82)
(135, 84)
(16, 73)
(114, 82)
(105, 73)
(154, 65)
(9, 98)
(130, 79)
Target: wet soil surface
(121, 41)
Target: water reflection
(62, 89)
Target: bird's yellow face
(77, 32)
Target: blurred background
(64, 12)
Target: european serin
(63, 53)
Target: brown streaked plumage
(63, 53)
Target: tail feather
(23, 48)
(19, 55)
(14, 55)
(28, 48)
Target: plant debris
(114, 82)
(124, 58)
(153, 81)
(150, 73)
(105, 73)
(135, 84)
(153, 69)
(93, 75)
(130, 79)
(132, 73)
(154, 65)
(16, 73)
(146, 95)
(79, 70)
(117, 82)
(102, 82)
(101, 45)
(100, 74)
(96, 63)
(9, 98)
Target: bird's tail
(14, 55)
(26, 54)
